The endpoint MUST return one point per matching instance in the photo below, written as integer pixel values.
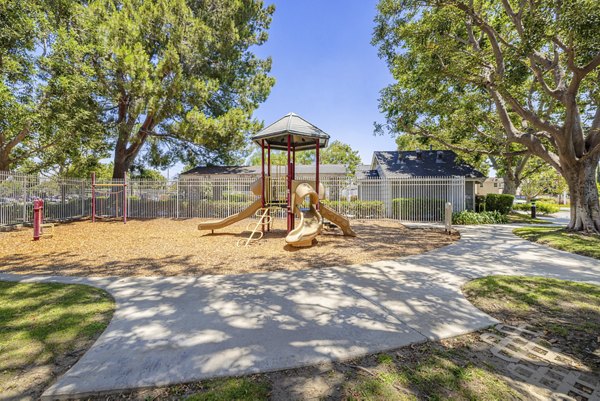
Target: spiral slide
(311, 222)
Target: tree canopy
(48, 117)
(150, 82)
(336, 153)
(515, 77)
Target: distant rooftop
(303, 135)
(425, 163)
(324, 169)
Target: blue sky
(326, 70)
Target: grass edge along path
(559, 238)
(44, 329)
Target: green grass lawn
(44, 329)
(568, 311)
(514, 217)
(588, 245)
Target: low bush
(358, 209)
(480, 203)
(469, 217)
(541, 207)
(418, 208)
(499, 203)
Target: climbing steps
(264, 218)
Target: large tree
(47, 113)
(176, 79)
(536, 62)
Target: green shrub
(547, 208)
(541, 207)
(470, 217)
(358, 209)
(237, 197)
(499, 202)
(418, 208)
(480, 203)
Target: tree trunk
(120, 161)
(510, 185)
(585, 206)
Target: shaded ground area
(44, 329)
(549, 350)
(587, 245)
(163, 247)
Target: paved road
(170, 330)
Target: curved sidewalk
(181, 329)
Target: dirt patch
(163, 247)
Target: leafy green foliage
(541, 207)
(176, 79)
(499, 78)
(419, 208)
(545, 181)
(336, 153)
(358, 209)
(501, 203)
(48, 118)
(467, 217)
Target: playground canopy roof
(304, 135)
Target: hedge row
(418, 208)
(470, 217)
(499, 203)
(358, 209)
(541, 207)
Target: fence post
(177, 201)
(82, 183)
(24, 199)
(448, 218)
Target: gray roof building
(425, 163)
(324, 169)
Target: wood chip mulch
(164, 247)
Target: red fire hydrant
(38, 216)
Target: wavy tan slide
(311, 222)
(337, 219)
(244, 214)
(256, 188)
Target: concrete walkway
(181, 329)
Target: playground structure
(105, 190)
(276, 190)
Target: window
(495, 185)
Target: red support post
(290, 215)
(269, 175)
(262, 162)
(93, 197)
(262, 184)
(317, 170)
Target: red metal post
(38, 213)
(290, 215)
(125, 198)
(93, 197)
(270, 185)
(262, 162)
(262, 184)
(317, 170)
